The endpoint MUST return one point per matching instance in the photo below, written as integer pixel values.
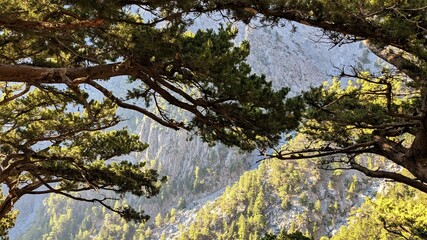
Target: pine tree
(396, 213)
(257, 212)
(56, 54)
(368, 116)
(158, 221)
(242, 227)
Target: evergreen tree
(396, 213)
(242, 227)
(45, 143)
(257, 218)
(56, 54)
(285, 236)
(382, 113)
(158, 220)
(374, 119)
(172, 215)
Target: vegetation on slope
(398, 212)
(294, 195)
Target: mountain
(290, 195)
(198, 173)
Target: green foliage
(57, 134)
(114, 228)
(229, 81)
(158, 220)
(317, 206)
(203, 70)
(397, 213)
(64, 218)
(375, 110)
(8, 221)
(172, 215)
(46, 141)
(242, 227)
(198, 181)
(285, 236)
(247, 198)
(358, 108)
(246, 209)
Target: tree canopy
(383, 113)
(396, 213)
(58, 57)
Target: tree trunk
(7, 205)
(416, 156)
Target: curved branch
(322, 152)
(122, 212)
(389, 55)
(390, 175)
(20, 94)
(352, 25)
(18, 24)
(108, 94)
(77, 75)
(154, 84)
(7, 205)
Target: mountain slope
(293, 195)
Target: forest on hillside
(288, 197)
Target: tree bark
(6, 206)
(43, 75)
(8, 21)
